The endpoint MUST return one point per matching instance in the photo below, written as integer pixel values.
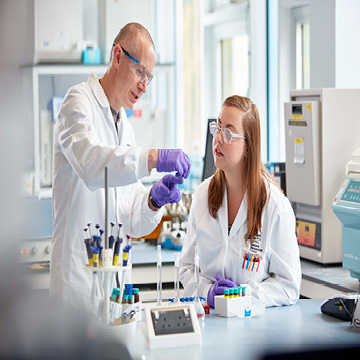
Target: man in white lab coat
(92, 132)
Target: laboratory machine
(58, 32)
(346, 206)
(321, 131)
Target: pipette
(89, 224)
(126, 251)
(117, 251)
(111, 237)
(197, 303)
(176, 278)
(88, 249)
(159, 276)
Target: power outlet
(171, 321)
(172, 326)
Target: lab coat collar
(101, 98)
(239, 219)
(98, 91)
(223, 216)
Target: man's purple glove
(173, 160)
(218, 288)
(165, 190)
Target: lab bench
(281, 330)
(318, 281)
(144, 276)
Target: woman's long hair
(254, 170)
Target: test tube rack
(244, 306)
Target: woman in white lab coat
(240, 220)
(92, 132)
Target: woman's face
(230, 157)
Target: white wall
(322, 43)
(14, 47)
(334, 43)
(347, 39)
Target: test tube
(159, 276)
(197, 271)
(176, 278)
(198, 306)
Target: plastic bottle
(136, 295)
(197, 164)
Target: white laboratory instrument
(58, 31)
(321, 131)
(173, 233)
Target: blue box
(91, 56)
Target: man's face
(135, 71)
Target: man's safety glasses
(139, 70)
(227, 135)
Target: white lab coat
(277, 281)
(85, 141)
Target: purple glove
(218, 288)
(173, 160)
(165, 190)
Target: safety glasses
(227, 135)
(139, 70)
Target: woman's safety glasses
(139, 70)
(227, 135)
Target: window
(302, 47)
(235, 65)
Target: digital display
(352, 192)
(297, 109)
(308, 233)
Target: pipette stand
(108, 272)
(107, 268)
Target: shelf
(44, 82)
(107, 269)
(65, 69)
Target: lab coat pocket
(251, 261)
(80, 279)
